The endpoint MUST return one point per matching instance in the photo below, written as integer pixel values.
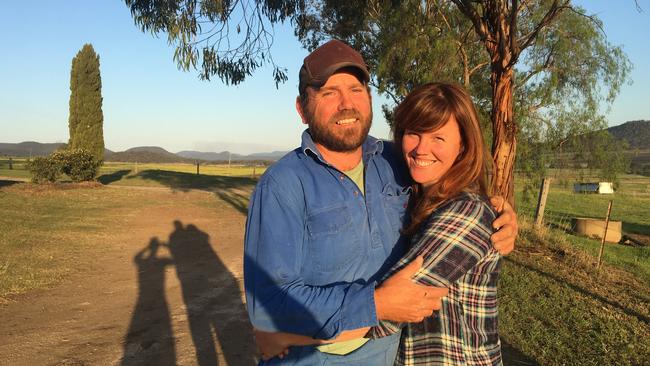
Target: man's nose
(345, 101)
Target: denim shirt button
(356, 193)
(341, 177)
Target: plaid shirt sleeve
(452, 241)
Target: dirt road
(165, 288)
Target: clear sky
(148, 101)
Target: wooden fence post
(197, 168)
(602, 242)
(11, 164)
(541, 202)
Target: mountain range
(141, 154)
(636, 133)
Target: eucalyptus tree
(538, 69)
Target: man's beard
(322, 134)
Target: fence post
(11, 164)
(197, 168)
(541, 202)
(602, 242)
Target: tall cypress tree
(86, 120)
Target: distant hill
(275, 155)
(636, 133)
(141, 154)
(32, 148)
(225, 156)
(209, 156)
(146, 154)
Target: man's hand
(400, 299)
(272, 344)
(505, 225)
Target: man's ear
(300, 111)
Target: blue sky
(148, 101)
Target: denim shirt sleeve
(277, 297)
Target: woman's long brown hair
(428, 108)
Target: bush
(44, 169)
(80, 165)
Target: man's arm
(277, 297)
(505, 226)
(422, 300)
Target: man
(323, 223)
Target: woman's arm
(273, 344)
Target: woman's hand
(505, 225)
(272, 344)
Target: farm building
(598, 187)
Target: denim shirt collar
(371, 146)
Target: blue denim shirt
(315, 245)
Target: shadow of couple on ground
(215, 313)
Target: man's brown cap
(324, 61)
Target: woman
(437, 130)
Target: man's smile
(345, 122)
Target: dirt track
(165, 289)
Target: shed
(596, 187)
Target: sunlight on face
(429, 155)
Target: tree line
(540, 71)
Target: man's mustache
(350, 113)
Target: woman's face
(429, 155)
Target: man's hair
(428, 108)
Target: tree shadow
(513, 356)
(635, 228)
(583, 291)
(109, 178)
(7, 183)
(233, 190)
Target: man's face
(339, 114)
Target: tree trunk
(505, 131)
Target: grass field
(631, 205)
(135, 174)
(555, 308)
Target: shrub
(44, 169)
(78, 164)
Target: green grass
(555, 309)
(631, 205)
(45, 228)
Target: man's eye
(438, 138)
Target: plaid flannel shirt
(458, 254)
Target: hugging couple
(367, 252)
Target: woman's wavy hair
(428, 108)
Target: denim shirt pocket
(395, 199)
(333, 241)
